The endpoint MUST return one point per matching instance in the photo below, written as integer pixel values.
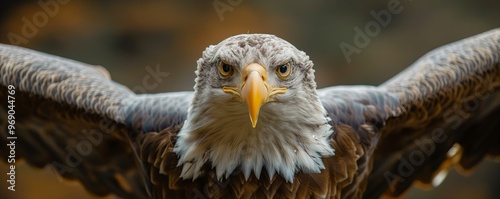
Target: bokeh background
(129, 36)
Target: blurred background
(133, 39)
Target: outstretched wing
(440, 112)
(447, 115)
(71, 116)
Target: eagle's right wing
(71, 116)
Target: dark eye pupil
(226, 67)
(283, 68)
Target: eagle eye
(225, 69)
(284, 70)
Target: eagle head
(255, 108)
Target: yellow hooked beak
(254, 91)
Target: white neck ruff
(287, 139)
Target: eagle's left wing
(440, 112)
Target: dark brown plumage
(385, 138)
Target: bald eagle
(255, 125)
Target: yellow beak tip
(254, 123)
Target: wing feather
(71, 116)
(447, 115)
(448, 99)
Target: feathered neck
(288, 138)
